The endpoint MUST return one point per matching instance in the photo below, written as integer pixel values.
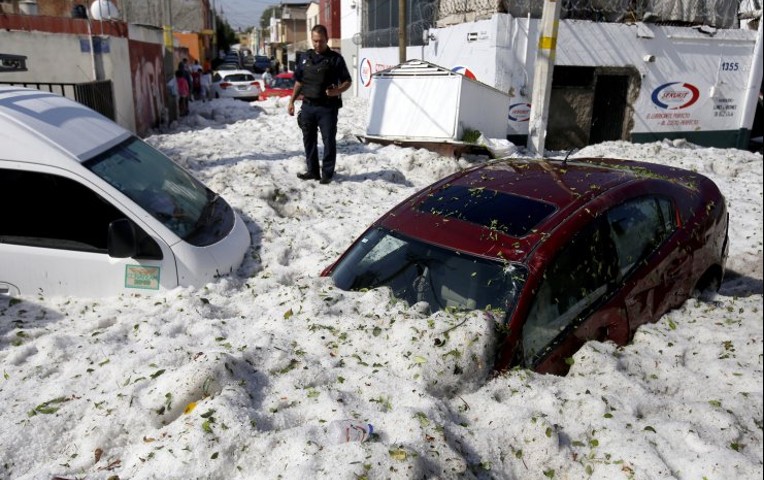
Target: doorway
(591, 105)
(609, 109)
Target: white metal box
(419, 101)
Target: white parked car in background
(92, 210)
(235, 84)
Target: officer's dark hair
(320, 29)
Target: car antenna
(565, 160)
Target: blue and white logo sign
(462, 70)
(675, 95)
(520, 112)
(364, 72)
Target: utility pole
(168, 37)
(542, 77)
(402, 37)
(752, 94)
(169, 59)
(214, 31)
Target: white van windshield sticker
(138, 276)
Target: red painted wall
(146, 70)
(329, 16)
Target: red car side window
(575, 280)
(639, 227)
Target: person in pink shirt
(183, 92)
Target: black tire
(708, 284)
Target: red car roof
(561, 188)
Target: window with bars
(380, 20)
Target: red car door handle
(602, 334)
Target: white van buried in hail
(89, 209)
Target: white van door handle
(8, 289)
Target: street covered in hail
(241, 378)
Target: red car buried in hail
(561, 252)
(281, 86)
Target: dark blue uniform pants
(312, 118)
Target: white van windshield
(165, 190)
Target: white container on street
(419, 101)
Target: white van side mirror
(122, 241)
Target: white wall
(717, 66)
(311, 18)
(705, 76)
(372, 60)
(350, 13)
(58, 58)
(47, 54)
(448, 49)
(350, 24)
(116, 65)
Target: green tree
(265, 18)
(226, 36)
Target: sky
(242, 14)
(240, 378)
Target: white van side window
(67, 216)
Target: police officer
(320, 76)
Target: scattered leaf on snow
(47, 408)
(399, 454)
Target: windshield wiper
(206, 215)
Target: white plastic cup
(349, 430)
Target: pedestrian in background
(267, 77)
(196, 80)
(206, 85)
(321, 76)
(183, 92)
(184, 67)
(172, 89)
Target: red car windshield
(283, 83)
(417, 272)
